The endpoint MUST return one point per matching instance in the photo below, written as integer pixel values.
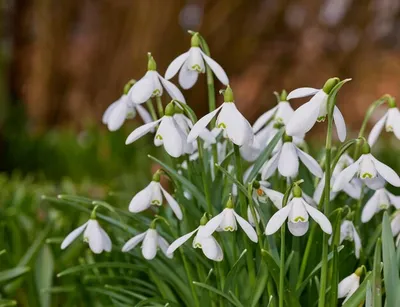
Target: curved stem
(152, 111)
(160, 107)
(282, 266)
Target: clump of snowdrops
(245, 215)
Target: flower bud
(330, 84)
(156, 176)
(365, 149)
(204, 219)
(151, 64)
(229, 203)
(228, 94)
(297, 191)
(359, 271)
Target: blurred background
(63, 62)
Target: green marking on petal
(222, 125)
(159, 137)
(197, 245)
(389, 128)
(196, 67)
(156, 92)
(366, 175)
(299, 219)
(156, 202)
(229, 228)
(383, 206)
(321, 119)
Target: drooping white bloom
(390, 121)
(122, 109)
(368, 169)
(348, 232)
(348, 286)
(151, 241)
(281, 114)
(395, 226)
(262, 193)
(227, 220)
(169, 134)
(305, 117)
(297, 212)
(286, 160)
(381, 200)
(210, 247)
(94, 235)
(236, 126)
(153, 195)
(152, 84)
(191, 63)
(352, 188)
(250, 217)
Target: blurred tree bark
(73, 57)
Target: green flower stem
(368, 114)
(253, 213)
(282, 266)
(152, 111)
(307, 251)
(242, 200)
(190, 279)
(204, 176)
(160, 107)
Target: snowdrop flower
(349, 285)
(123, 109)
(153, 195)
(297, 211)
(169, 134)
(191, 64)
(93, 234)
(348, 232)
(305, 117)
(381, 200)
(151, 241)
(395, 226)
(280, 114)
(227, 221)
(352, 188)
(390, 121)
(367, 167)
(210, 247)
(152, 85)
(236, 126)
(286, 160)
(261, 193)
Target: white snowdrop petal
(303, 119)
(172, 139)
(320, 218)
(108, 111)
(263, 119)
(302, 92)
(247, 228)
(73, 235)
(144, 114)
(180, 241)
(142, 90)
(141, 131)
(386, 172)
(395, 224)
(288, 164)
(172, 90)
(216, 68)
(357, 243)
(173, 204)
(275, 196)
(370, 208)
(187, 78)
(176, 65)
(164, 246)
(150, 242)
(345, 285)
(212, 224)
(277, 220)
(141, 201)
(376, 130)
(310, 163)
(298, 229)
(201, 125)
(375, 183)
(117, 116)
(211, 249)
(270, 166)
(107, 245)
(345, 176)
(94, 237)
(395, 200)
(339, 123)
(132, 242)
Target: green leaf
(258, 164)
(232, 178)
(10, 274)
(231, 277)
(186, 183)
(273, 268)
(218, 292)
(368, 297)
(376, 276)
(261, 281)
(112, 294)
(108, 265)
(390, 268)
(358, 297)
(7, 303)
(44, 270)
